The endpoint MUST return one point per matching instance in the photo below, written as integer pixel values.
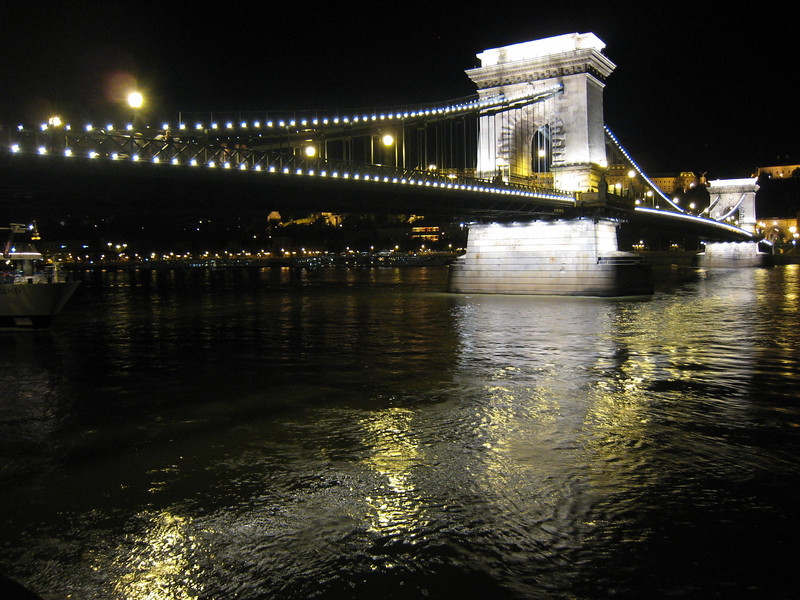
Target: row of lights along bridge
(136, 103)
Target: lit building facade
(674, 183)
(779, 171)
(623, 180)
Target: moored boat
(32, 289)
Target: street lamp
(54, 123)
(387, 139)
(541, 155)
(388, 142)
(135, 101)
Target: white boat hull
(34, 303)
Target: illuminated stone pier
(734, 255)
(565, 258)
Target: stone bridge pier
(577, 257)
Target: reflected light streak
(394, 454)
(158, 566)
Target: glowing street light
(135, 100)
(387, 139)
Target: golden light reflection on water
(157, 565)
(511, 414)
(618, 411)
(388, 433)
(515, 426)
(791, 289)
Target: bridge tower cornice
(589, 61)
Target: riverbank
(349, 259)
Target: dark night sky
(696, 88)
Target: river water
(361, 434)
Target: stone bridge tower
(561, 138)
(734, 198)
(729, 197)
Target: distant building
(779, 171)
(673, 183)
(621, 177)
(431, 234)
(624, 181)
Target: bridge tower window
(541, 151)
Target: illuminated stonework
(733, 198)
(734, 254)
(563, 258)
(570, 123)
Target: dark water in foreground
(359, 434)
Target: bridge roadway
(33, 182)
(182, 180)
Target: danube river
(362, 434)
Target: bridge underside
(36, 187)
(32, 186)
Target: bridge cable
(732, 210)
(657, 190)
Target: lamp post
(540, 167)
(387, 139)
(135, 101)
(388, 142)
(54, 123)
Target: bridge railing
(196, 150)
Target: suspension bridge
(530, 146)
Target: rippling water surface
(360, 434)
